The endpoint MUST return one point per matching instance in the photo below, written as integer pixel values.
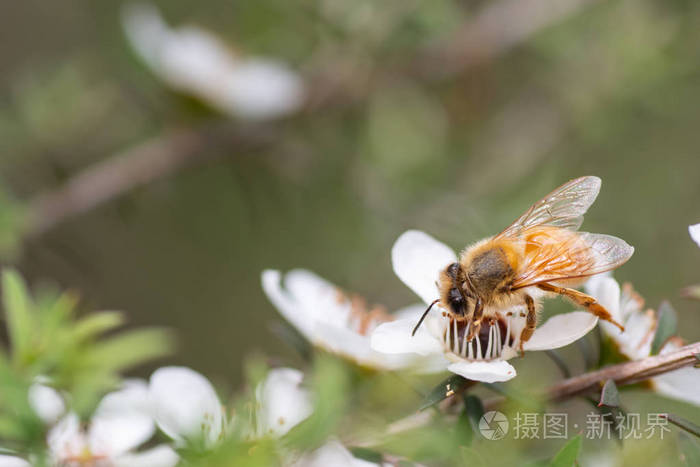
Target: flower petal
(283, 402)
(286, 304)
(487, 372)
(694, 231)
(159, 456)
(46, 402)
(561, 330)
(417, 259)
(12, 461)
(318, 298)
(395, 337)
(121, 421)
(680, 384)
(185, 404)
(332, 453)
(65, 438)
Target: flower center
(498, 336)
(363, 318)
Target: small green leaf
(468, 421)
(686, 425)
(370, 455)
(129, 349)
(665, 328)
(446, 388)
(95, 324)
(609, 396)
(567, 456)
(18, 310)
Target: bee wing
(563, 207)
(553, 254)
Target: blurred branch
(495, 30)
(137, 166)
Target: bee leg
(477, 314)
(530, 322)
(586, 301)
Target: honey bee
(538, 256)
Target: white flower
(282, 402)
(186, 407)
(333, 453)
(195, 61)
(119, 425)
(332, 321)
(13, 461)
(417, 259)
(694, 231)
(627, 307)
(46, 402)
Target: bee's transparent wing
(563, 207)
(569, 256)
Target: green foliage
(665, 328)
(567, 456)
(73, 354)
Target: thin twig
(137, 166)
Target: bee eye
(455, 296)
(453, 270)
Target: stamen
(455, 335)
(463, 353)
(478, 348)
(488, 346)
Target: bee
(540, 255)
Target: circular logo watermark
(493, 425)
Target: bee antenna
(425, 313)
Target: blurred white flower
(119, 425)
(186, 407)
(333, 453)
(694, 231)
(417, 259)
(13, 461)
(334, 322)
(46, 402)
(194, 61)
(627, 307)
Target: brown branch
(625, 373)
(137, 166)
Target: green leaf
(446, 388)
(665, 328)
(18, 310)
(129, 349)
(96, 324)
(567, 456)
(468, 421)
(686, 425)
(369, 455)
(609, 396)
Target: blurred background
(157, 157)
